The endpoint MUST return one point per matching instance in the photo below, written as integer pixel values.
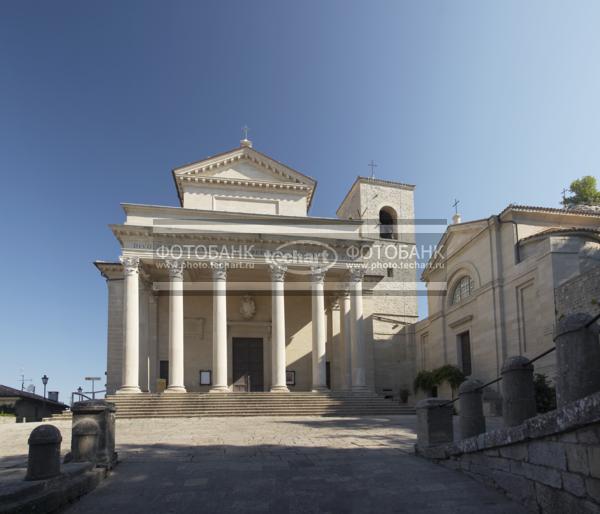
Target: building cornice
(110, 270)
(548, 210)
(375, 181)
(142, 232)
(199, 214)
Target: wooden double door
(248, 365)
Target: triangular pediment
(244, 170)
(243, 167)
(459, 235)
(454, 238)
(244, 163)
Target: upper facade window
(387, 223)
(463, 289)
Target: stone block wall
(580, 294)
(550, 463)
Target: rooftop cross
(455, 205)
(372, 165)
(245, 130)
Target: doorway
(247, 361)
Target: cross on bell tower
(372, 165)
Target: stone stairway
(147, 405)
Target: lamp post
(45, 382)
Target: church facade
(239, 289)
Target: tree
(428, 380)
(584, 192)
(545, 394)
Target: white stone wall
(390, 352)
(579, 294)
(244, 201)
(198, 336)
(114, 364)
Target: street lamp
(45, 382)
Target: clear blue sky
(489, 102)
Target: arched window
(463, 289)
(387, 223)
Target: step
(180, 405)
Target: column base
(360, 389)
(320, 389)
(174, 389)
(128, 390)
(280, 389)
(219, 389)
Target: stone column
(153, 340)
(278, 330)
(434, 422)
(44, 453)
(176, 335)
(471, 418)
(131, 326)
(319, 335)
(577, 358)
(219, 372)
(144, 379)
(518, 393)
(358, 351)
(345, 354)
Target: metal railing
(531, 361)
(84, 395)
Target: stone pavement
(275, 465)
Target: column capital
(131, 265)
(219, 270)
(317, 274)
(175, 268)
(356, 273)
(278, 272)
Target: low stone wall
(580, 294)
(550, 463)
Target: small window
(463, 289)
(390, 272)
(424, 341)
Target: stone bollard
(471, 418)
(103, 413)
(434, 422)
(577, 358)
(44, 453)
(84, 440)
(518, 393)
